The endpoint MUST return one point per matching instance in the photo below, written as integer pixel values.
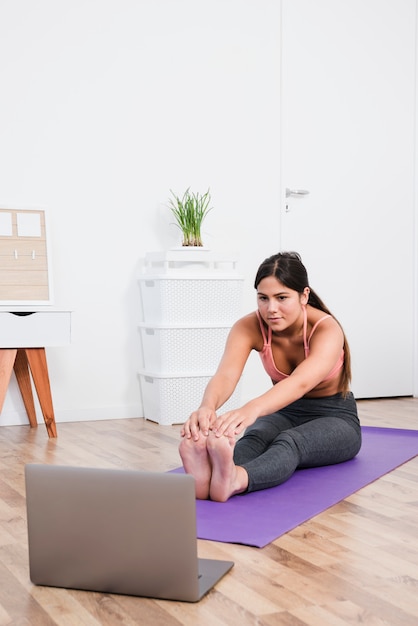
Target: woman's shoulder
(316, 315)
(321, 322)
(248, 326)
(248, 322)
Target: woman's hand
(233, 422)
(200, 422)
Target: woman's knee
(334, 443)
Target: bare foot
(197, 463)
(227, 478)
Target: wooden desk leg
(7, 359)
(39, 370)
(23, 379)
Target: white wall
(105, 106)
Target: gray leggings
(308, 433)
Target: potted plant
(189, 211)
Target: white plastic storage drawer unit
(190, 299)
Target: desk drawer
(38, 329)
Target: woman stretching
(308, 418)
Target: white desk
(24, 334)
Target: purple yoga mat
(258, 518)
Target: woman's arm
(241, 340)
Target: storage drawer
(36, 329)
(191, 300)
(171, 400)
(168, 349)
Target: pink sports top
(266, 353)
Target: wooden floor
(356, 563)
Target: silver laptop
(116, 531)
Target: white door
(348, 138)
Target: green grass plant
(189, 211)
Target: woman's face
(279, 306)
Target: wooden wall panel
(24, 273)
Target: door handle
(296, 192)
